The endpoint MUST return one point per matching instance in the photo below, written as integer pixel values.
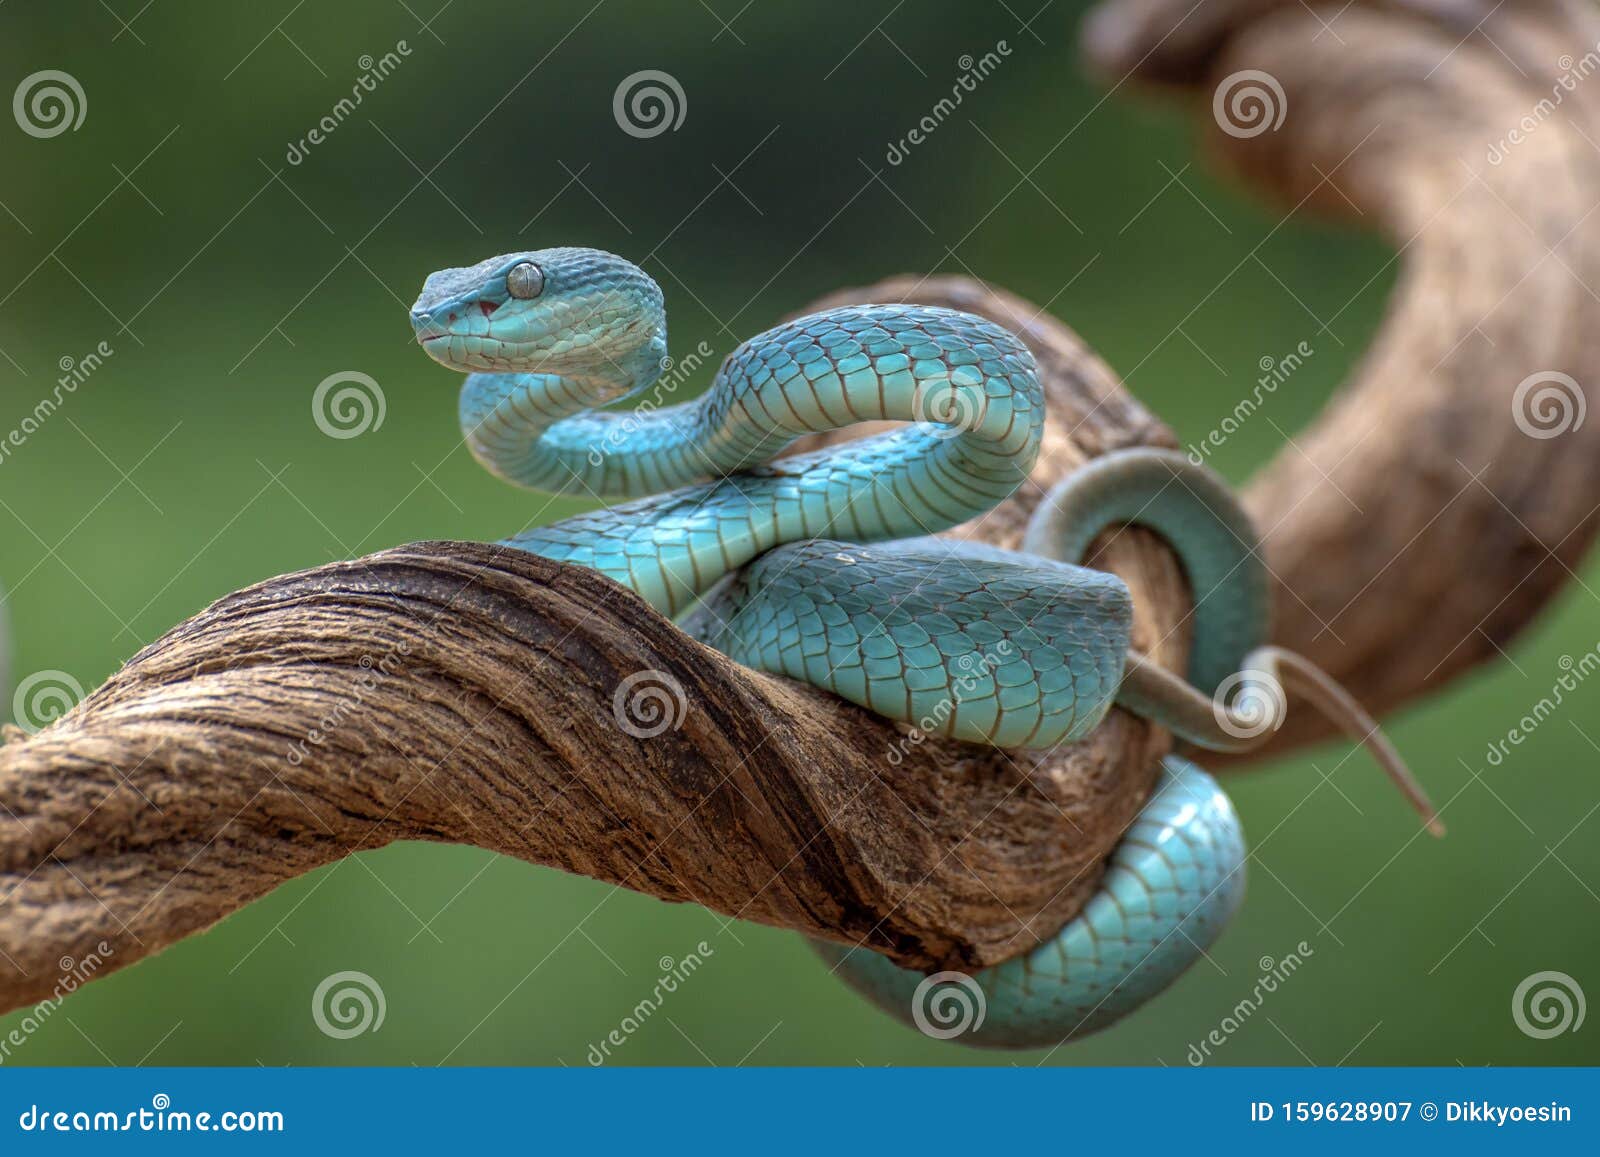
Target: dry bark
(460, 692)
(1417, 527)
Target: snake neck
(969, 389)
(537, 429)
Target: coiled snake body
(1015, 649)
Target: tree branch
(461, 692)
(1417, 526)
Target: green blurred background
(229, 283)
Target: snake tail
(1193, 509)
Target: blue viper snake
(819, 567)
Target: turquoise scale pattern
(1008, 649)
(1172, 885)
(816, 373)
(820, 372)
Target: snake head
(561, 311)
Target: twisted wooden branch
(1432, 510)
(455, 691)
(469, 693)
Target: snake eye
(525, 281)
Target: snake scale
(818, 567)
